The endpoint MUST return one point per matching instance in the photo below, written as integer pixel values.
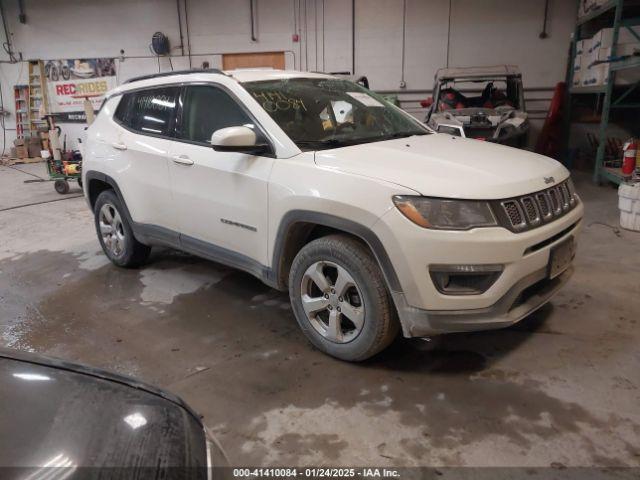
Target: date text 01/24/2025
(315, 472)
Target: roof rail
(175, 72)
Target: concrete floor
(560, 388)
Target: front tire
(115, 234)
(340, 298)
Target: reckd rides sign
(70, 82)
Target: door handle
(119, 146)
(182, 160)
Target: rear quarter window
(149, 111)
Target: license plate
(561, 257)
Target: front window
(319, 113)
(462, 95)
(207, 109)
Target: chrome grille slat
(556, 206)
(514, 212)
(544, 205)
(530, 211)
(565, 196)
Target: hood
(440, 165)
(65, 415)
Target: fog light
(464, 279)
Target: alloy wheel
(112, 230)
(332, 302)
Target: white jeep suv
(317, 185)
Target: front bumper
(522, 288)
(524, 298)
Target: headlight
(443, 214)
(449, 130)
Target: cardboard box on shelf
(577, 70)
(598, 74)
(604, 38)
(583, 46)
(585, 7)
(577, 78)
(604, 54)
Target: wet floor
(562, 387)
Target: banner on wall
(69, 82)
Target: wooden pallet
(16, 161)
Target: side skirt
(155, 235)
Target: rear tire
(340, 298)
(115, 233)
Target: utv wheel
(115, 234)
(340, 299)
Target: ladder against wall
(37, 97)
(21, 96)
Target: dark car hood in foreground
(58, 414)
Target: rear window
(149, 111)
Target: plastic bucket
(629, 205)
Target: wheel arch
(98, 182)
(299, 227)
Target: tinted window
(122, 112)
(148, 111)
(207, 109)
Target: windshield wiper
(328, 142)
(391, 136)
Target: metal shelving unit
(614, 14)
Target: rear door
(147, 121)
(220, 197)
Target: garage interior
(559, 389)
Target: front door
(220, 197)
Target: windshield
(318, 113)
(487, 93)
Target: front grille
(529, 211)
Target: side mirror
(426, 103)
(237, 139)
